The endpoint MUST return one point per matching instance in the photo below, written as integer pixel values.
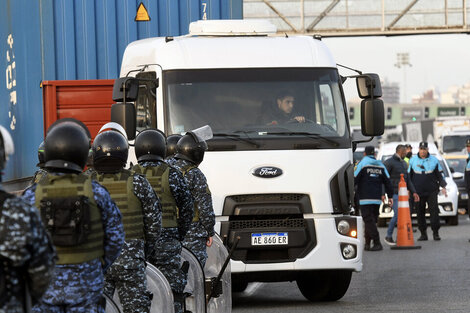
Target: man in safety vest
(141, 216)
(177, 204)
(83, 221)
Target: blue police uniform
(370, 176)
(79, 287)
(426, 175)
(167, 254)
(26, 254)
(467, 182)
(203, 223)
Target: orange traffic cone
(404, 227)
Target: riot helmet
(80, 123)
(110, 151)
(191, 148)
(7, 147)
(41, 155)
(66, 146)
(171, 142)
(113, 126)
(150, 145)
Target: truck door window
(146, 103)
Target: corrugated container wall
(80, 39)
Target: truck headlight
(343, 227)
(348, 251)
(346, 226)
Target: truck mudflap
(160, 288)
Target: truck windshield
(251, 109)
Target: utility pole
(403, 60)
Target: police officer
(171, 142)
(41, 172)
(141, 213)
(26, 253)
(174, 194)
(426, 175)
(83, 221)
(370, 176)
(396, 166)
(190, 153)
(467, 175)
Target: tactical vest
(184, 170)
(71, 216)
(121, 188)
(158, 178)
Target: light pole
(403, 60)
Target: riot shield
(196, 301)
(111, 306)
(220, 300)
(162, 295)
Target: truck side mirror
(125, 115)
(368, 86)
(125, 89)
(372, 117)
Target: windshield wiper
(306, 134)
(234, 136)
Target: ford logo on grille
(267, 172)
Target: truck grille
(284, 223)
(268, 213)
(267, 197)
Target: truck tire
(239, 286)
(453, 220)
(329, 285)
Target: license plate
(266, 239)
(464, 196)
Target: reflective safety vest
(158, 178)
(185, 170)
(121, 188)
(69, 189)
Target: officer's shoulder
(18, 207)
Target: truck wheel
(453, 220)
(239, 286)
(324, 285)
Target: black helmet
(171, 142)
(150, 145)
(40, 155)
(66, 146)
(69, 119)
(191, 148)
(110, 151)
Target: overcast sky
(437, 60)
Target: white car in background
(447, 205)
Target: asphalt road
(435, 278)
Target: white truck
(285, 189)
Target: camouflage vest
(121, 189)
(5, 266)
(71, 216)
(158, 178)
(185, 170)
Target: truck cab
(281, 186)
